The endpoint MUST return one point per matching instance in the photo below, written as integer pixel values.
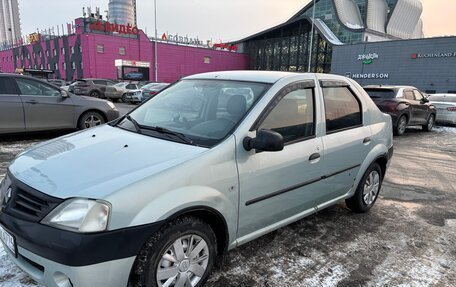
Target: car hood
(97, 162)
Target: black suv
(406, 105)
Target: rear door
(44, 106)
(11, 108)
(347, 141)
(415, 109)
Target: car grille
(28, 203)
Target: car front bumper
(60, 258)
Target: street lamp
(311, 36)
(156, 41)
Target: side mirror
(266, 140)
(64, 94)
(425, 100)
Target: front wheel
(182, 253)
(368, 189)
(90, 119)
(95, 94)
(430, 123)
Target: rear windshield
(442, 98)
(381, 93)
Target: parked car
(169, 190)
(56, 82)
(30, 105)
(446, 108)
(95, 88)
(406, 105)
(136, 76)
(151, 90)
(119, 91)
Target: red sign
(226, 46)
(110, 27)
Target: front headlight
(80, 215)
(111, 105)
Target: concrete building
(122, 12)
(10, 25)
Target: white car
(120, 90)
(446, 107)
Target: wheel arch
(105, 117)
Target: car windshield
(119, 85)
(203, 112)
(381, 93)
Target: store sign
(367, 58)
(34, 38)
(433, 55)
(367, 75)
(185, 40)
(110, 27)
(138, 64)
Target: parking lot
(407, 239)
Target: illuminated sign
(433, 55)
(139, 64)
(110, 27)
(185, 40)
(367, 75)
(368, 58)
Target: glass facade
(287, 49)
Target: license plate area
(8, 240)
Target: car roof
(248, 76)
(388, 87)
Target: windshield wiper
(162, 130)
(135, 123)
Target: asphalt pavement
(408, 238)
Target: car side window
(293, 116)
(131, 87)
(409, 95)
(35, 88)
(342, 109)
(6, 87)
(418, 96)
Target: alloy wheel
(402, 125)
(371, 187)
(92, 121)
(430, 122)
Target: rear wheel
(368, 189)
(90, 119)
(401, 126)
(124, 98)
(430, 123)
(182, 253)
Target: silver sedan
(446, 107)
(31, 105)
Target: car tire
(430, 123)
(399, 130)
(124, 98)
(367, 191)
(90, 119)
(95, 94)
(169, 251)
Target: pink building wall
(174, 61)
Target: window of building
(39, 54)
(56, 66)
(48, 66)
(293, 116)
(73, 65)
(342, 109)
(80, 65)
(54, 51)
(122, 51)
(64, 65)
(63, 51)
(100, 48)
(207, 60)
(47, 53)
(80, 49)
(72, 50)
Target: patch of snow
(445, 129)
(327, 276)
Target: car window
(409, 95)
(100, 82)
(35, 88)
(293, 116)
(131, 87)
(6, 87)
(342, 109)
(381, 93)
(418, 96)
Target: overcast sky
(210, 19)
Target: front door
(44, 106)
(423, 110)
(274, 186)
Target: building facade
(428, 64)
(96, 48)
(10, 26)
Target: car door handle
(314, 156)
(33, 102)
(367, 140)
